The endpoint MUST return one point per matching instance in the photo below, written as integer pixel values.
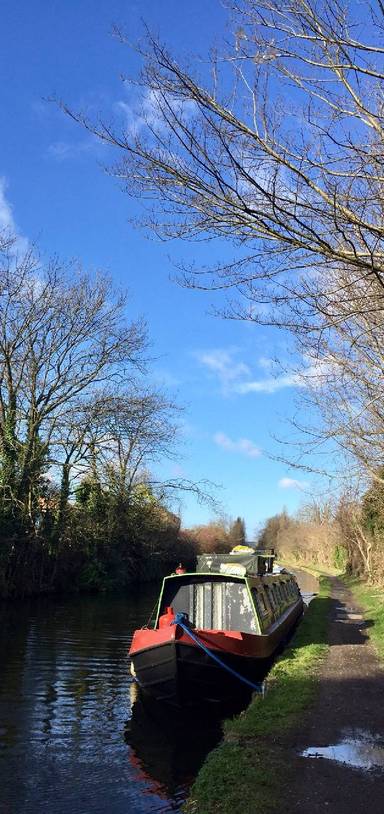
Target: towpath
(348, 715)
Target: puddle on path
(359, 749)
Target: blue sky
(54, 190)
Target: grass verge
(246, 772)
(371, 600)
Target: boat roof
(241, 563)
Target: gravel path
(349, 709)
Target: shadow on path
(349, 709)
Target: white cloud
(236, 376)
(221, 362)
(271, 384)
(311, 375)
(147, 112)
(63, 150)
(291, 483)
(265, 363)
(6, 214)
(243, 446)
(7, 221)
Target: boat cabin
(234, 592)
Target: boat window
(284, 591)
(212, 604)
(260, 602)
(278, 593)
(293, 589)
(272, 597)
(224, 606)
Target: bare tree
(340, 376)
(133, 431)
(279, 147)
(281, 152)
(63, 336)
(356, 537)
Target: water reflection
(358, 748)
(64, 702)
(167, 747)
(308, 583)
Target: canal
(74, 733)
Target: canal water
(74, 733)
(309, 584)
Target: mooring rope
(180, 619)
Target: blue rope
(181, 620)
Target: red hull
(247, 645)
(173, 668)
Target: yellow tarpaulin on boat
(242, 549)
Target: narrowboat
(216, 629)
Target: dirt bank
(349, 708)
